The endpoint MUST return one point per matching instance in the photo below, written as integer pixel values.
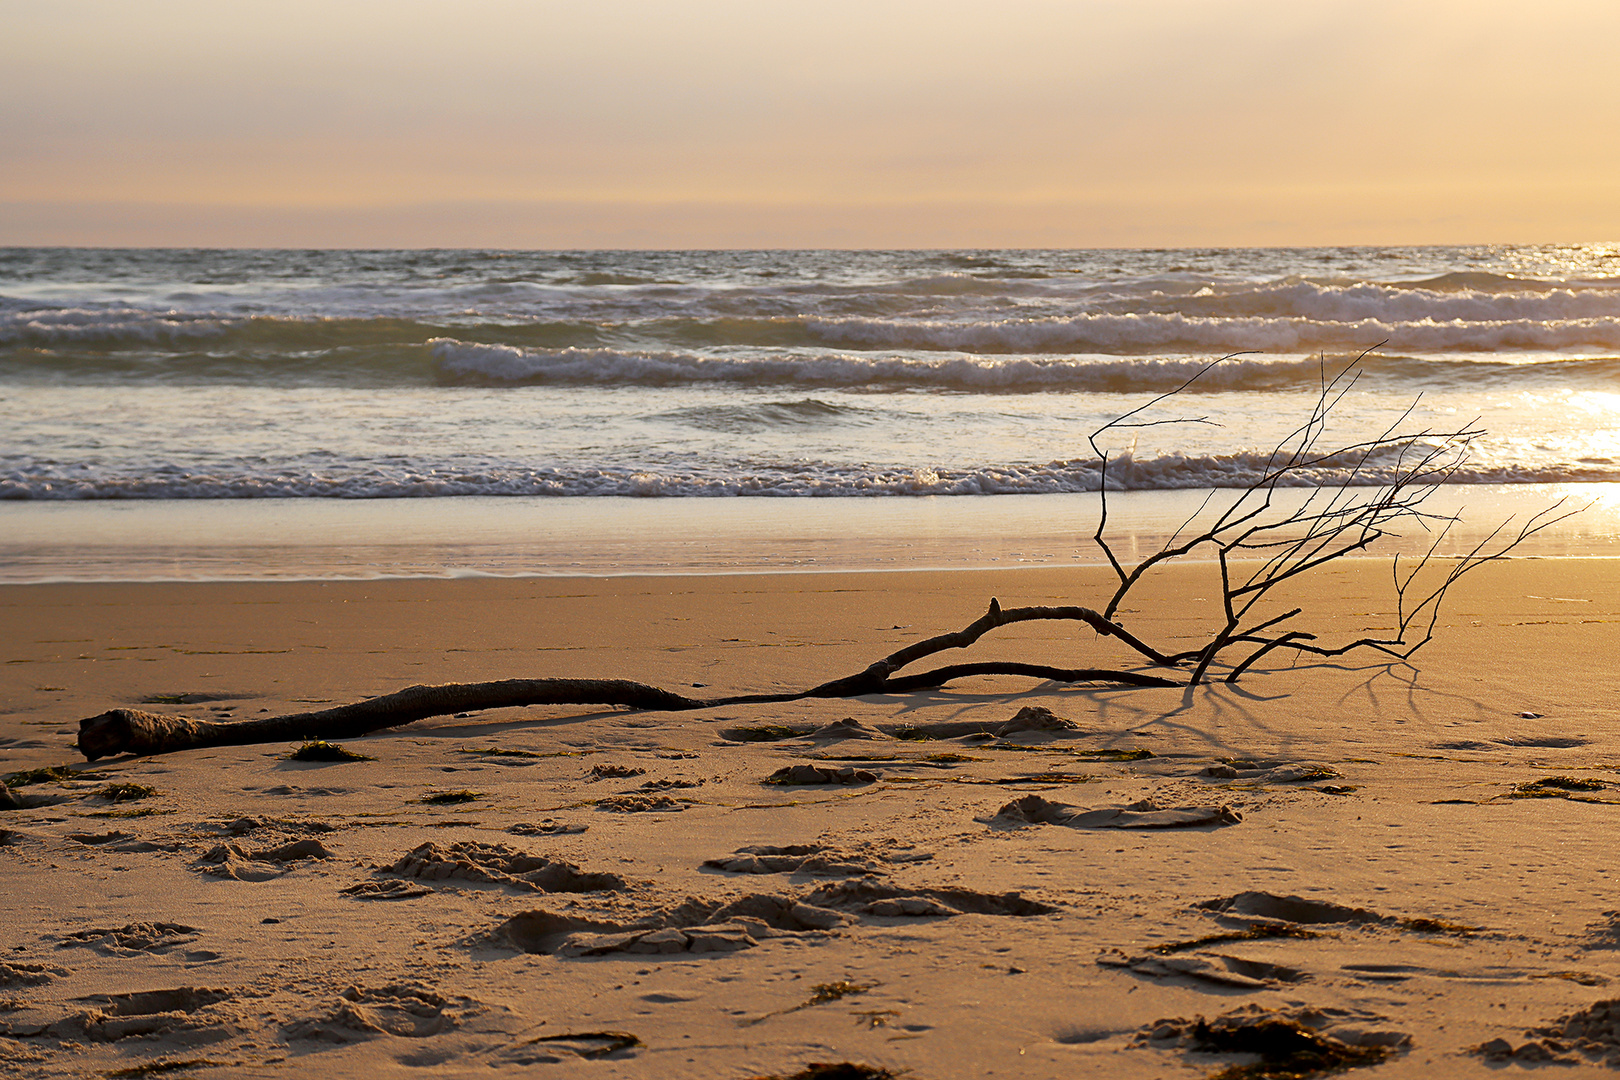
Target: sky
(834, 123)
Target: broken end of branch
(131, 731)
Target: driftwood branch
(132, 731)
(1255, 545)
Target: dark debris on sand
(1556, 787)
(126, 792)
(47, 775)
(1287, 1046)
(843, 1070)
(764, 733)
(321, 750)
(820, 774)
(450, 798)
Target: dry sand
(256, 916)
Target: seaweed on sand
(48, 775)
(449, 798)
(126, 792)
(842, 1070)
(321, 750)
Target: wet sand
(1380, 856)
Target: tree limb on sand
(1257, 543)
(133, 731)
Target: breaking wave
(365, 480)
(468, 364)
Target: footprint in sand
(698, 926)
(1544, 742)
(14, 973)
(1550, 742)
(1247, 906)
(286, 790)
(694, 926)
(1603, 934)
(387, 890)
(847, 728)
(97, 839)
(1263, 909)
(1035, 718)
(1217, 968)
(1591, 1035)
(497, 864)
(547, 1049)
(1265, 916)
(10, 800)
(407, 1011)
(184, 1016)
(792, 858)
(813, 859)
(242, 826)
(236, 863)
(548, 827)
(1031, 723)
(132, 940)
(1034, 810)
(122, 842)
(870, 896)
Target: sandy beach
(597, 541)
(601, 892)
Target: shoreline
(318, 539)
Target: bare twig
(1332, 523)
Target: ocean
(270, 413)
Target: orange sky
(883, 123)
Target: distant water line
(252, 375)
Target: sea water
(199, 413)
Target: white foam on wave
(1075, 314)
(62, 326)
(1124, 473)
(1162, 332)
(1108, 334)
(463, 363)
(1396, 303)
